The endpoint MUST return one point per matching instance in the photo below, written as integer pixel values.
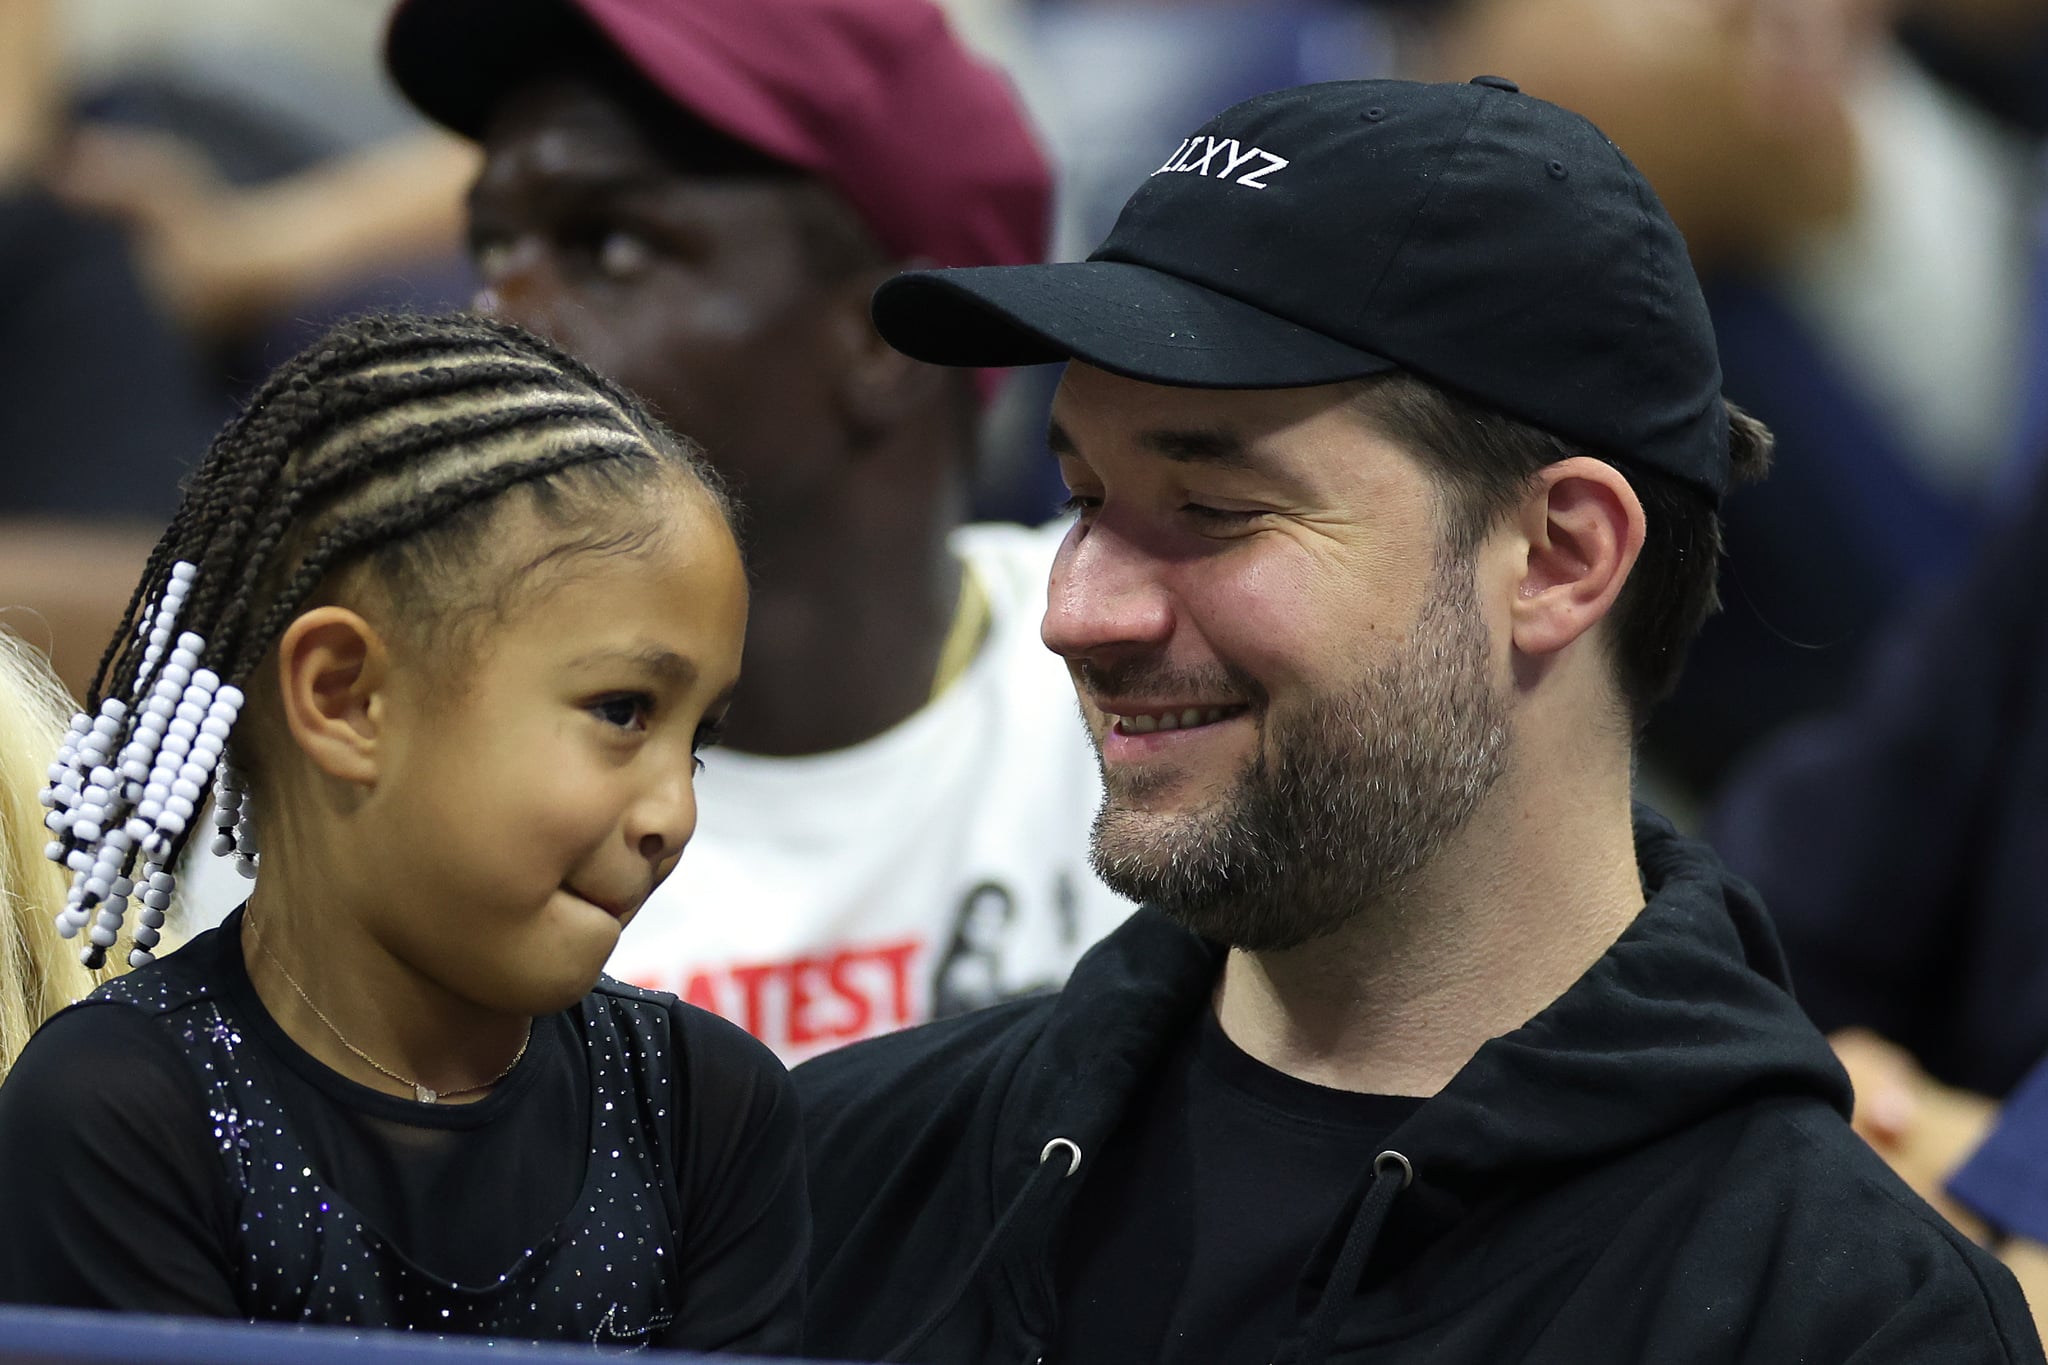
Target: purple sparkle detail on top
(304, 1254)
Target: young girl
(484, 610)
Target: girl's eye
(1077, 504)
(628, 711)
(707, 736)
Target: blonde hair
(39, 972)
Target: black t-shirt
(1188, 1239)
(136, 1172)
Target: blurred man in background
(698, 197)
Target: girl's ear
(332, 671)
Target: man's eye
(493, 258)
(1219, 516)
(622, 255)
(628, 711)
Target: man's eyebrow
(566, 188)
(1222, 449)
(1204, 446)
(664, 664)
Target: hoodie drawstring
(1391, 1174)
(1049, 1174)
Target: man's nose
(1107, 595)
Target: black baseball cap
(1482, 239)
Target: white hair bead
(54, 850)
(148, 935)
(231, 696)
(174, 677)
(218, 723)
(135, 769)
(184, 571)
(85, 831)
(182, 790)
(162, 707)
(120, 840)
(156, 900)
(148, 810)
(176, 809)
(223, 844)
(78, 860)
(137, 828)
(101, 936)
(57, 821)
(183, 730)
(65, 928)
(124, 887)
(246, 866)
(140, 957)
(160, 880)
(209, 745)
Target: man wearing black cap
(1392, 418)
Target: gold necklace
(424, 1094)
(963, 638)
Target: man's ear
(1584, 527)
(333, 670)
(878, 384)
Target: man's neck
(850, 612)
(1499, 925)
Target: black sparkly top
(636, 1179)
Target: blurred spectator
(1867, 238)
(99, 403)
(1978, 1162)
(699, 198)
(1902, 843)
(234, 184)
(39, 972)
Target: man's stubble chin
(1344, 802)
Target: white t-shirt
(939, 867)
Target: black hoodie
(1654, 1168)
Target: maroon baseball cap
(876, 98)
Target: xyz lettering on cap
(1194, 155)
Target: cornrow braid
(390, 436)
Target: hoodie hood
(1689, 1013)
(1653, 1167)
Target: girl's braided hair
(384, 428)
(384, 443)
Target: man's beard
(1346, 800)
